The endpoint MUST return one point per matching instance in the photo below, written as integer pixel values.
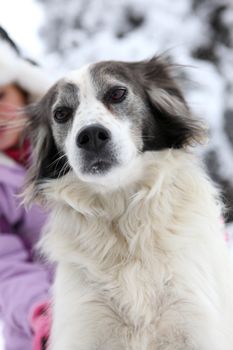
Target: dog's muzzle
(94, 143)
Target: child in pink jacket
(24, 279)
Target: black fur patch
(166, 124)
(54, 164)
(165, 130)
(48, 161)
(168, 127)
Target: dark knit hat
(14, 68)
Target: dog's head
(99, 121)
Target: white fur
(91, 111)
(141, 267)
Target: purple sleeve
(26, 223)
(23, 282)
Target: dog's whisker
(64, 168)
(12, 123)
(11, 131)
(11, 114)
(13, 126)
(12, 105)
(56, 160)
(62, 171)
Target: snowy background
(195, 33)
(65, 34)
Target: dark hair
(5, 36)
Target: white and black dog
(135, 225)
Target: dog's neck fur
(144, 230)
(168, 192)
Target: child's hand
(41, 323)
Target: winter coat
(24, 279)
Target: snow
(22, 20)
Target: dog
(135, 227)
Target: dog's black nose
(93, 138)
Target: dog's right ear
(45, 161)
(172, 124)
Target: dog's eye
(62, 114)
(117, 94)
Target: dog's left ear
(46, 161)
(173, 125)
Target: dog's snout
(93, 138)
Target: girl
(24, 279)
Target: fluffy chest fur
(138, 263)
